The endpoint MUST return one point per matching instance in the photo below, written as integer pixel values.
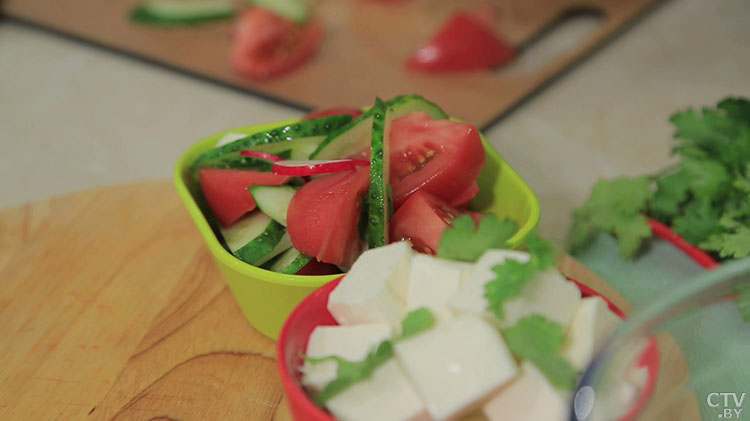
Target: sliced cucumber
(290, 261)
(230, 137)
(237, 161)
(287, 137)
(355, 136)
(347, 140)
(296, 10)
(256, 238)
(378, 200)
(405, 104)
(182, 12)
(273, 200)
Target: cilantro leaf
(537, 339)
(465, 241)
(351, 372)
(416, 321)
(672, 191)
(513, 275)
(615, 207)
(736, 108)
(730, 244)
(698, 222)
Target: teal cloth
(714, 339)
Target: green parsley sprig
(463, 240)
(512, 275)
(538, 340)
(704, 198)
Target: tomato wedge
(464, 42)
(267, 45)
(466, 196)
(226, 190)
(323, 216)
(354, 112)
(441, 157)
(421, 221)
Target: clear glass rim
(706, 286)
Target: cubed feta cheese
(386, 395)
(351, 343)
(456, 364)
(470, 296)
(375, 288)
(547, 293)
(592, 324)
(431, 282)
(530, 397)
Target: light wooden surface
(111, 308)
(361, 56)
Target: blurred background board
(362, 54)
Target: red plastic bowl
(313, 311)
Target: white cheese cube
(431, 282)
(351, 343)
(456, 364)
(375, 288)
(592, 324)
(386, 395)
(470, 296)
(529, 397)
(546, 293)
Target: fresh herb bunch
(705, 197)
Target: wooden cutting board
(111, 308)
(361, 56)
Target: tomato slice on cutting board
(322, 112)
(464, 42)
(323, 216)
(421, 221)
(441, 157)
(267, 45)
(226, 190)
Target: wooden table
(111, 308)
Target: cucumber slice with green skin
(230, 137)
(173, 12)
(273, 200)
(296, 10)
(291, 261)
(356, 136)
(347, 140)
(378, 200)
(405, 104)
(235, 161)
(256, 238)
(280, 138)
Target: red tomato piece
(466, 196)
(323, 216)
(355, 112)
(421, 221)
(464, 42)
(441, 157)
(226, 190)
(267, 45)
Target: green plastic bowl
(265, 297)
